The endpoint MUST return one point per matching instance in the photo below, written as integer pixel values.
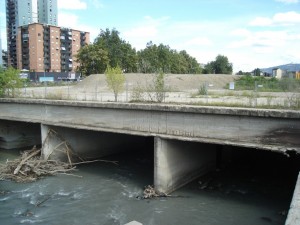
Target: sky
(251, 33)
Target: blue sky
(251, 33)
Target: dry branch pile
(31, 167)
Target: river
(250, 191)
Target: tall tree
(92, 59)
(220, 66)
(120, 53)
(162, 58)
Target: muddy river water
(255, 189)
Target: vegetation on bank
(259, 83)
(10, 82)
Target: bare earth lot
(182, 88)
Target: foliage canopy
(109, 50)
(10, 81)
(220, 66)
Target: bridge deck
(276, 130)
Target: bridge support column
(178, 162)
(14, 134)
(84, 143)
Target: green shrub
(202, 90)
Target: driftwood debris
(31, 166)
(149, 193)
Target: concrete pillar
(84, 143)
(14, 134)
(178, 162)
(293, 217)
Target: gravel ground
(183, 89)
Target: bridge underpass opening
(174, 163)
(16, 134)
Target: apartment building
(24, 12)
(48, 48)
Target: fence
(230, 98)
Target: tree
(220, 66)
(10, 81)
(159, 86)
(155, 58)
(120, 53)
(92, 59)
(115, 80)
(256, 72)
(209, 68)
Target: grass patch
(265, 84)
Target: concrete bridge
(188, 140)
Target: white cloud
(288, 1)
(67, 20)
(263, 39)
(149, 29)
(241, 32)
(199, 41)
(71, 4)
(279, 19)
(141, 32)
(261, 21)
(97, 4)
(287, 18)
(73, 21)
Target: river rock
(133, 223)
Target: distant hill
(287, 67)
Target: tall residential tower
(24, 12)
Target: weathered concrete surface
(84, 143)
(276, 130)
(176, 163)
(19, 134)
(294, 212)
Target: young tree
(115, 80)
(159, 86)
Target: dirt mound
(176, 82)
